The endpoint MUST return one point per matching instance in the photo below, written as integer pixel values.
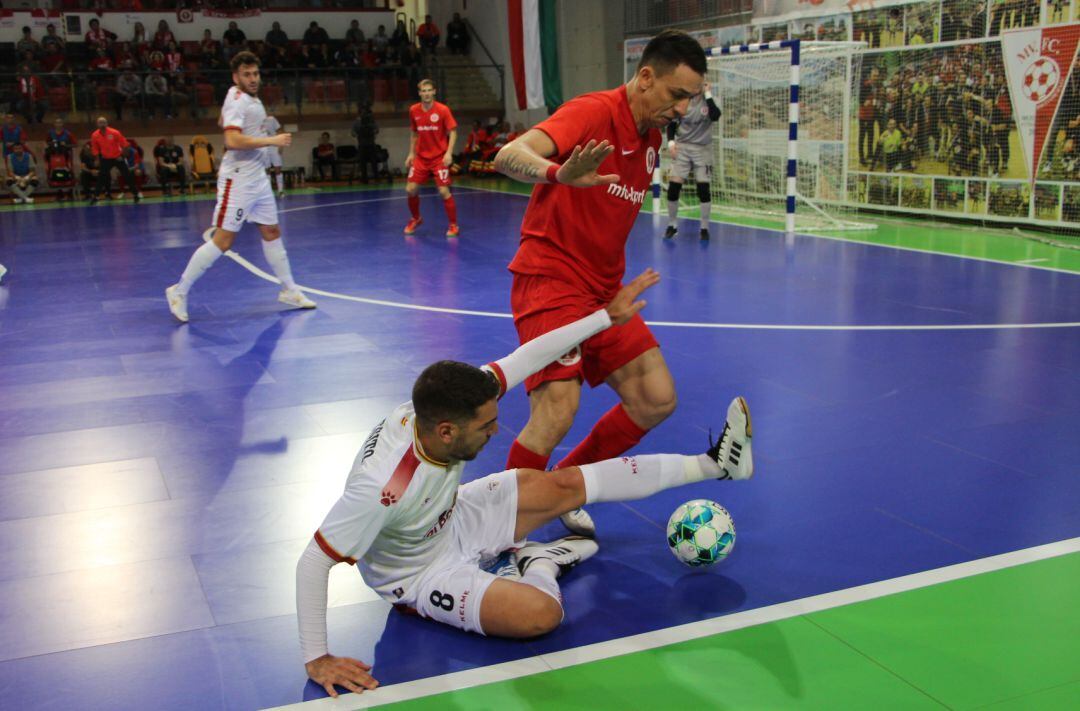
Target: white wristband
(708, 95)
(671, 145)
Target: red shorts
(541, 304)
(420, 171)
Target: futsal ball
(701, 532)
(1040, 79)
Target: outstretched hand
(579, 170)
(625, 304)
(348, 673)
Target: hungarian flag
(534, 53)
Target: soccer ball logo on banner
(1041, 79)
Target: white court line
(683, 633)
(236, 257)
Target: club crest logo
(650, 160)
(571, 357)
(1041, 79)
(434, 118)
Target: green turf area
(1008, 639)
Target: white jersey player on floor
(243, 191)
(422, 541)
(272, 127)
(690, 145)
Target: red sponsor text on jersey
(579, 234)
(432, 129)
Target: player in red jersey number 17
(431, 148)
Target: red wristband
(551, 171)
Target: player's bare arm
(412, 149)
(626, 303)
(346, 672)
(237, 141)
(448, 159)
(526, 159)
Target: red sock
(521, 457)
(451, 209)
(414, 206)
(613, 434)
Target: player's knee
(703, 192)
(271, 233)
(653, 406)
(540, 614)
(673, 190)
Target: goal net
(781, 144)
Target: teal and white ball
(701, 532)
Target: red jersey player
(595, 157)
(431, 149)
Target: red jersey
(579, 235)
(432, 129)
(108, 142)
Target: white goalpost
(781, 145)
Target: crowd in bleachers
(152, 73)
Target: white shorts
(243, 198)
(696, 158)
(274, 156)
(450, 590)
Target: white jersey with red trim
(245, 113)
(395, 507)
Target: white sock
(279, 262)
(280, 180)
(203, 259)
(706, 209)
(541, 575)
(630, 478)
(672, 212)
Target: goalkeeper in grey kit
(690, 145)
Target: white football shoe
(579, 522)
(732, 452)
(295, 298)
(564, 552)
(177, 303)
(505, 565)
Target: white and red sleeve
(232, 111)
(539, 352)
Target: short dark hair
(243, 59)
(451, 391)
(671, 48)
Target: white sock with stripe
(632, 478)
(203, 259)
(274, 250)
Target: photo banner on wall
(1038, 64)
(780, 10)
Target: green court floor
(1008, 639)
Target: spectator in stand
(88, 175)
(101, 62)
(133, 157)
(400, 38)
(235, 40)
(22, 177)
(370, 57)
(128, 91)
(174, 60)
(208, 45)
(156, 89)
(354, 34)
(29, 60)
(364, 129)
(32, 101)
(380, 41)
(311, 57)
(169, 159)
(457, 35)
(139, 41)
(315, 35)
(324, 155)
(108, 145)
(163, 36)
(155, 60)
(123, 57)
(98, 37)
(345, 57)
(27, 44)
(52, 40)
(276, 37)
(12, 134)
(476, 144)
(53, 60)
(428, 34)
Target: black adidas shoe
(671, 231)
